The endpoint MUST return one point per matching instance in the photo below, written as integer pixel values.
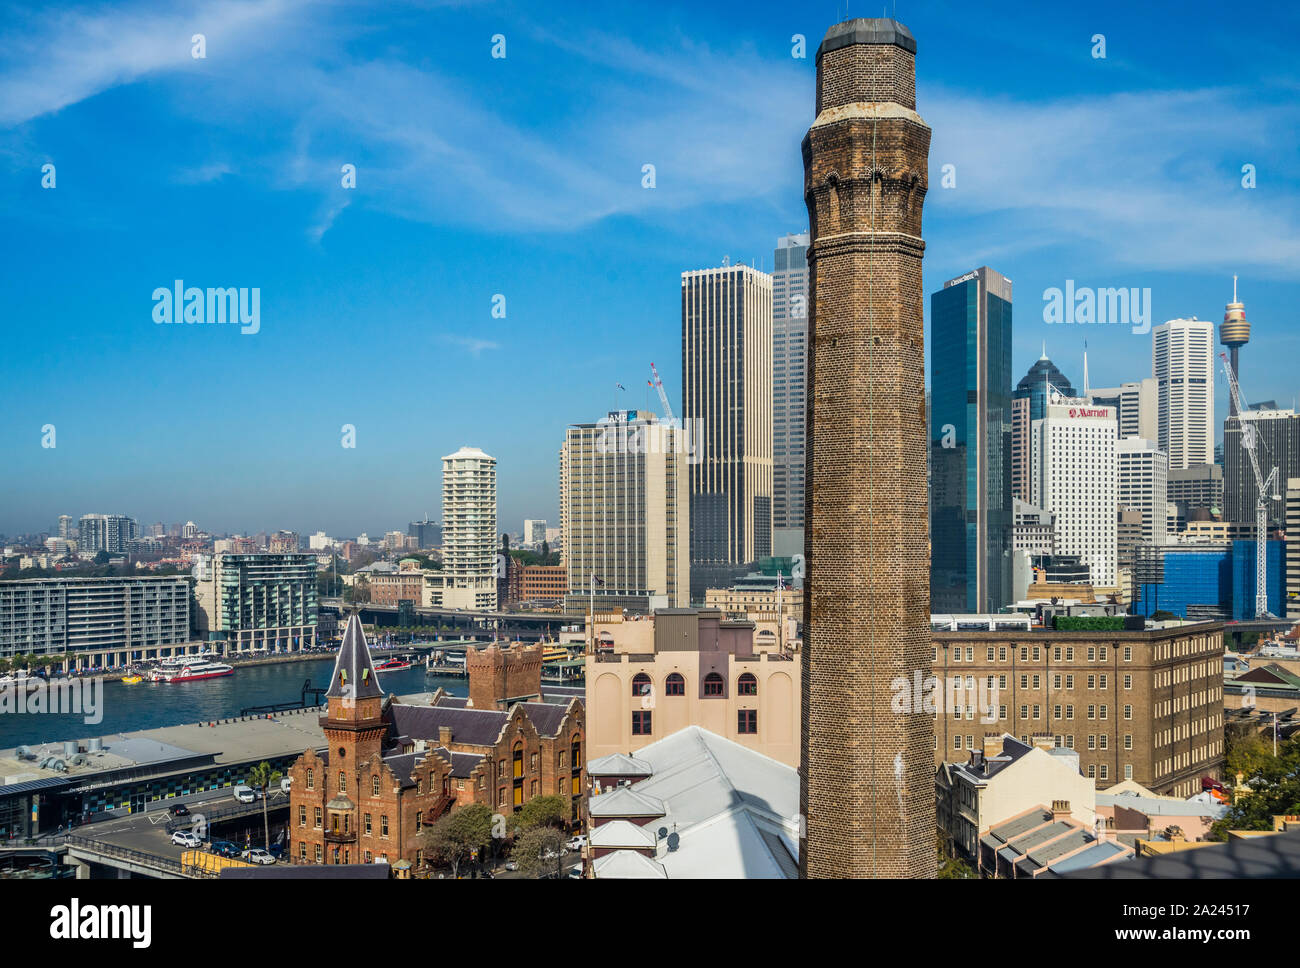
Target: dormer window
(374, 786)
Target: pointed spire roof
(354, 674)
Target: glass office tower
(970, 444)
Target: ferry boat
(393, 665)
(191, 671)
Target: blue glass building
(1208, 581)
(970, 444)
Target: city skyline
(403, 269)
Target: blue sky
(522, 176)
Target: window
(674, 685)
(374, 786)
(747, 721)
(1128, 744)
(343, 783)
(1128, 712)
(1104, 770)
(956, 742)
(1103, 682)
(640, 684)
(1024, 682)
(640, 722)
(1128, 653)
(713, 684)
(317, 822)
(1069, 653)
(1002, 653)
(1128, 682)
(302, 850)
(320, 853)
(747, 685)
(383, 825)
(302, 816)
(990, 654)
(1128, 771)
(366, 825)
(311, 779)
(1092, 741)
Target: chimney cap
(882, 31)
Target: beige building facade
(649, 677)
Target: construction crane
(658, 384)
(1264, 491)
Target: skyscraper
(970, 443)
(1182, 357)
(789, 390)
(1142, 472)
(469, 530)
(867, 772)
(1073, 475)
(727, 407)
(1136, 405)
(1028, 402)
(626, 516)
(1277, 436)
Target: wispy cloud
(1145, 179)
(475, 346)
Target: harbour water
(147, 705)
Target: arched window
(374, 786)
(675, 685)
(713, 685)
(641, 684)
(747, 685)
(311, 779)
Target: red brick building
(390, 769)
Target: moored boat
(192, 671)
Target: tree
(1272, 788)
(539, 852)
(101, 558)
(458, 836)
(546, 549)
(1247, 753)
(547, 811)
(261, 777)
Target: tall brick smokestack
(867, 774)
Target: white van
(245, 794)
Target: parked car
(183, 838)
(512, 865)
(576, 844)
(179, 810)
(224, 848)
(257, 856)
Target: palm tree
(261, 777)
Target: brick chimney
(1060, 809)
(444, 736)
(992, 745)
(1046, 743)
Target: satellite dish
(662, 833)
(673, 841)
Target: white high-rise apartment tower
(1182, 362)
(1073, 475)
(469, 530)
